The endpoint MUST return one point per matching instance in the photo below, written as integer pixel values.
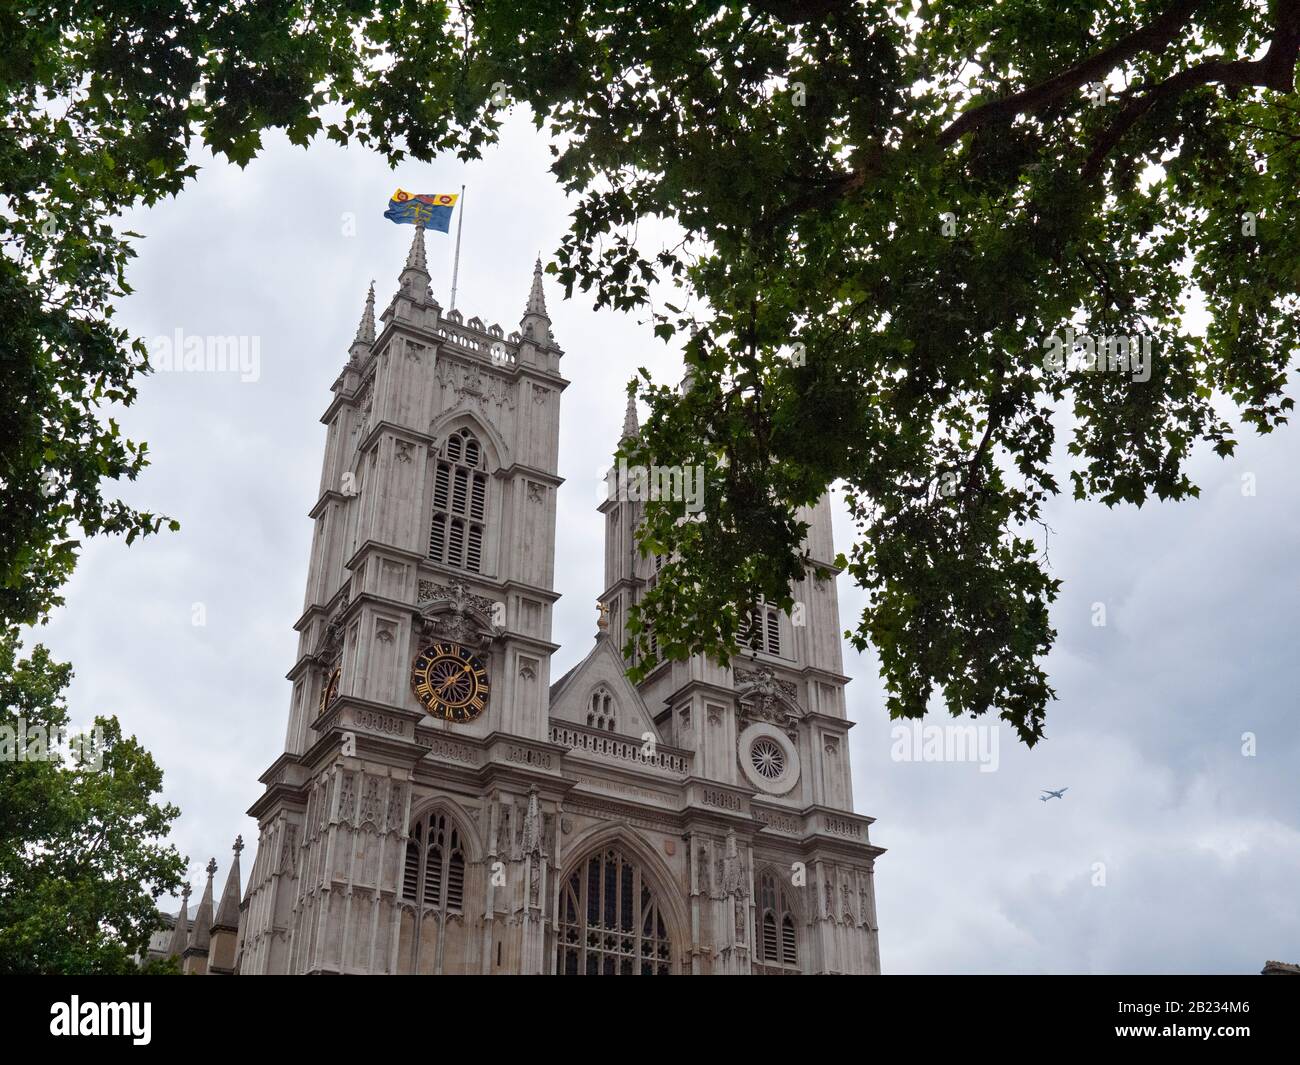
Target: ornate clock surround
(450, 670)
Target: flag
(429, 210)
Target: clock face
(450, 682)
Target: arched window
(460, 482)
(434, 872)
(778, 936)
(600, 711)
(610, 921)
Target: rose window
(767, 758)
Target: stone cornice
(327, 496)
(354, 562)
(822, 674)
(518, 469)
(840, 724)
(415, 436)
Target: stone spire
(365, 328)
(228, 910)
(223, 953)
(415, 259)
(536, 323)
(414, 277)
(536, 297)
(631, 428)
(201, 935)
(176, 945)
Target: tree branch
(1150, 38)
(1275, 70)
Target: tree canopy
(889, 210)
(82, 858)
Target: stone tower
(440, 805)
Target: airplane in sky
(1050, 794)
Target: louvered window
(434, 873)
(761, 631)
(777, 952)
(460, 484)
(769, 935)
(411, 869)
(789, 944)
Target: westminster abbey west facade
(443, 805)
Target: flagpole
(455, 270)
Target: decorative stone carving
(733, 869)
(396, 813)
(365, 404)
(535, 884)
(532, 831)
(765, 697)
(536, 492)
(370, 801)
(471, 389)
(347, 798)
(330, 646)
(288, 849)
(452, 612)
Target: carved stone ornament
(763, 696)
(472, 389)
(329, 648)
(532, 833)
(453, 613)
(734, 881)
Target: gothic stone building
(442, 806)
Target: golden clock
(450, 682)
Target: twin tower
(443, 804)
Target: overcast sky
(1172, 851)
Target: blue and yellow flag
(430, 210)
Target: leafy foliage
(916, 195)
(913, 205)
(82, 862)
